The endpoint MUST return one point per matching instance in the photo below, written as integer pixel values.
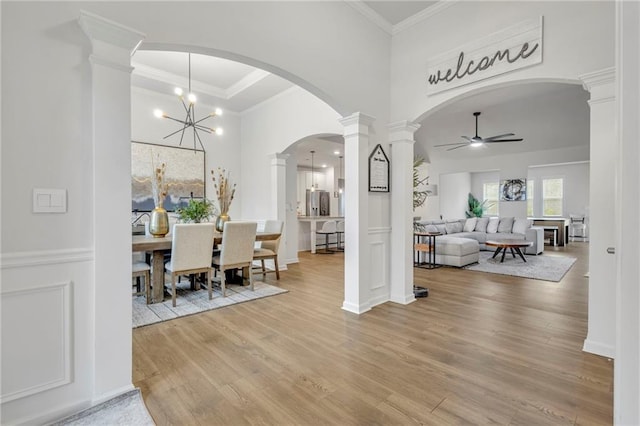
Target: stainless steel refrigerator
(318, 203)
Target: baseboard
(599, 349)
(292, 260)
(356, 309)
(403, 299)
(53, 415)
(109, 395)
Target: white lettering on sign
(513, 48)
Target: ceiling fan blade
(450, 144)
(466, 137)
(497, 137)
(505, 140)
(461, 146)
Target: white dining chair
(339, 235)
(269, 249)
(236, 250)
(141, 269)
(191, 249)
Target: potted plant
(476, 208)
(197, 210)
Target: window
(552, 197)
(530, 189)
(490, 194)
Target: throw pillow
(453, 227)
(520, 225)
(492, 226)
(481, 224)
(441, 228)
(430, 228)
(506, 225)
(470, 224)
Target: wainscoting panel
(38, 356)
(379, 258)
(47, 334)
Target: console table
(550, 222)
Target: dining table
(158, 246)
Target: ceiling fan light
(476, 144)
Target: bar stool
(339, 234)
(328, 228)
(577, 227)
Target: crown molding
(273, 98)
(371, 15)
(598, 78)
(422, 15)
(105, 30)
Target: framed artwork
(378, 170)
(184, 174)
(513, 190)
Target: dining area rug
(189, 302)
(541, 267)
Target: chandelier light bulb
(192, 98)
(178, 91)
(218, 111)
(158, 113)
(219, 131)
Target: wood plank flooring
(482, 348)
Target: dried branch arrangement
(224, 189)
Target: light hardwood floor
(482, 348)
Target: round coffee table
(513, 245)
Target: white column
(279, 199)
(112, 46)
(626, 383)
(602, 224)
(356, 255)
(401, 139)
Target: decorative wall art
(378, 170)
(513, 190)
(184, 174)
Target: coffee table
(513, 245)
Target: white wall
(478, 179)
(453, 191)
(578, 38)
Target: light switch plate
(49, 200)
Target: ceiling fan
(477, 141)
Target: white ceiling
(395, 12)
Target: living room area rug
(191, 302)
(541, 267)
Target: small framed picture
(378, 170)
(513, 190)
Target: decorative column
(602, 224)
(626, 376)
(112, 45)
(279, 199)
(401, 139)
(356, 255)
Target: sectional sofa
(462, 239)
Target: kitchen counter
(307, 238)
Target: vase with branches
(159, 220)
(225, 191)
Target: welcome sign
(513, 48)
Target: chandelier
(190, 121)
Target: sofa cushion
(480, 237)
(521, 225)
(430, 228)
(505, 225)
(456, 246)
(481, 224)
(441, 228)
(453, 227)
(470, 224)
(500, 236)
(492, 226)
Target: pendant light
(313, 187)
